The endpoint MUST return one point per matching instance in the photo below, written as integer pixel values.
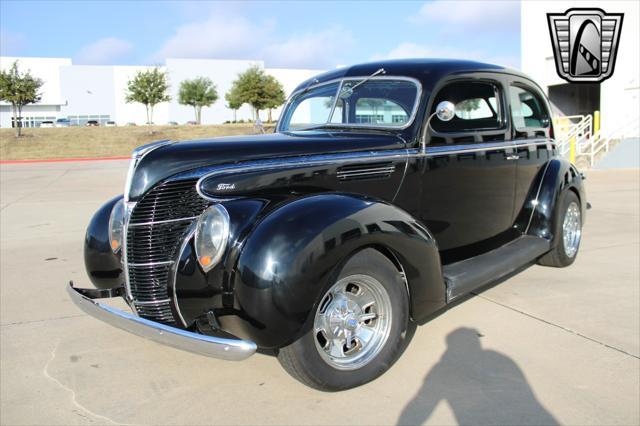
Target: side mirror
(445, 111)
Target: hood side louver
(366, 171)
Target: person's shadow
(482, 387)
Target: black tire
(302, 359)
(558, 256)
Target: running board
(467, 275)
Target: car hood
(179, 157)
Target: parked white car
(110, 124)
(47, 124)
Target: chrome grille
(154, 242)
(161, 313)
(157, 226)
(169, 201)
(150, 282)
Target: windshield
(382, 102)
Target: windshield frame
(341, 80)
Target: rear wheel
(568, 232)
(358, 329)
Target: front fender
(290, 258)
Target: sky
(287, 34)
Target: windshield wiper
(347, 91)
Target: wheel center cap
(351, 323)
(343, 316)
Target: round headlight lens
(212, 234)
(116, 226)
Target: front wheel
(359, 327)
(568, 232)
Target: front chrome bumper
(216, 347)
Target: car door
(467, 178)
(531, 133)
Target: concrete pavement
(546, 346)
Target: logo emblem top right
(585, 43)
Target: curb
(64, 160)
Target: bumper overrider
(232, 349)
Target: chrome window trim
(335, 102)
(487, 146)
(412, 116)
(541, 100)
(504, 120)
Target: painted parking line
(63, 160)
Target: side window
(527, 109)
(477, 107)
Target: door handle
(513, 157)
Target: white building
(83, 92)
(617, 98)
(97, 92)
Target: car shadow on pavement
(481, 386)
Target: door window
(527, 109)
(477, 107)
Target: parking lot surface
(548, 346)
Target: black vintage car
(388, 191)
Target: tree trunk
(234, 116)
(195, 111)
(19, 123)
(150, 118)
(269, 116)
(15, 119)
(199, 114)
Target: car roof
(427, 70)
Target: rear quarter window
(528, 110)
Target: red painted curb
(63, 160)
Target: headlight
(116, 226)
(212, 234)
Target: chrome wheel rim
(352, 322)
(571, 230)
